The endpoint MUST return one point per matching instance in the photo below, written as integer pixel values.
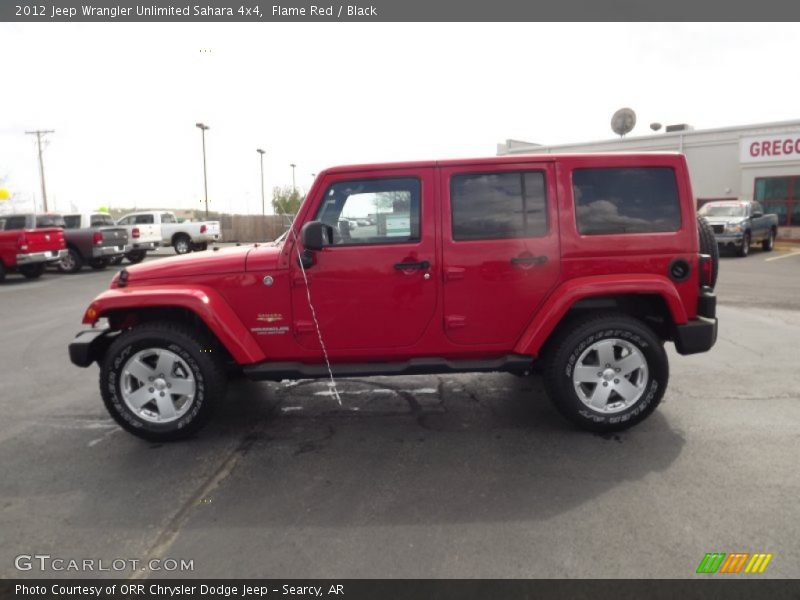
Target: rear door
(500, 249)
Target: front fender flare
(203, 301)
(563, 297)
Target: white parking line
(787, 255)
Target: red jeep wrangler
(581, 266)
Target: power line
(40, 133)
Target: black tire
(32, 271)
(206, 367)
(117, 260)
(200, 247)
(744, 249)
(2, 271)
(768, 244)
(581, 334)
(73, 263)
(136, 256)
(182, 243)
(708, 245)
(98, 264)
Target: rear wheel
(160, 382)
(768, 244)
(117, 260)
(606, 372)
(182, 244)
(32, 271)
(136, 256)
(744, 249)
(72, 262)
(98, 264)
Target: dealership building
(760, 162)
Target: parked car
(93, 239)
(28, 250)
(582, 266)
(183, 237)
(144, 235)
(739, 224)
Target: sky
(123, 99)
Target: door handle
(529, 260)
(421, 265)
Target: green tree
(285, 200)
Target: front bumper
(33, 258)
(90, 346)
(700, 334)
(108, 251)
(729, 239)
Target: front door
(500, 249)
(373, 287)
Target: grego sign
(770, 148)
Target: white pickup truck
(184, 237)
(143, 235)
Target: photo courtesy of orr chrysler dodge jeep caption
(578, 267)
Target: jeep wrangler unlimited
(578, 266)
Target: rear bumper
(142, 246)
(90, 346)
(108, 251)
(700, 334)
(40, 257)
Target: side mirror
(316, 235)
(757, 214)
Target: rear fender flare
(204, 302)
(567, 294)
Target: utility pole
(203, 129)
(39, 133)
(294, 187)
(261, 153)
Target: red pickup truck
(28, 250)
(577, 266)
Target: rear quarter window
(626, 200)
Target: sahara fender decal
(567, 294)
(206, 303)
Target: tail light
(135, 232)
(22, 243)
(705, 270)
(97, 238)
(203, 228)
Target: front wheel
(744, 249)
(606, 372)
(160, 381)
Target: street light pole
(203, 127)
(294, 187)
(263, 209)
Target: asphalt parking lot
(428, 476)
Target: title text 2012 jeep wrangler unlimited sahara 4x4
(583, 265)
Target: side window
(14, 223)
(101, 220)
(72, 222)
(125, 221)
(490, 206)
(144, 219)
(626, 200)
(373, 211)
(168, 218)
(757, 208)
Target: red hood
(229, 260)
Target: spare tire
(708, 245)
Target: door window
(372, 211)
(491, 206)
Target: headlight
(734, 227)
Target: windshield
(721, 210)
